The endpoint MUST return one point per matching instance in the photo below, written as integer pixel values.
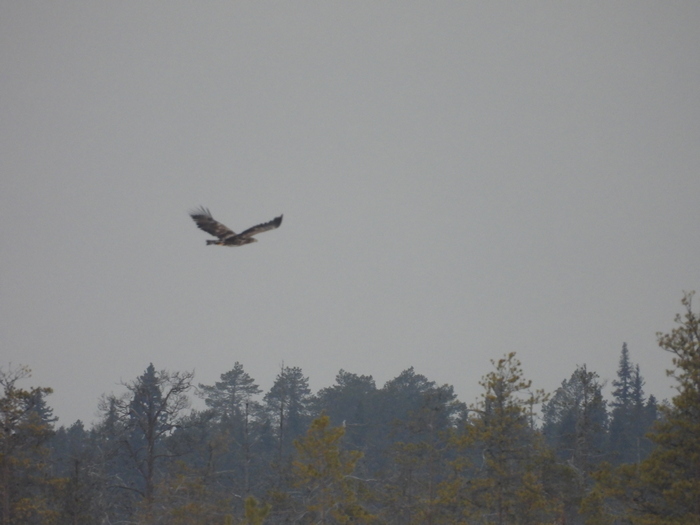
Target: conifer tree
(351, 400)
(232, 407)
(287, 404)
(228, 397)
(664, 489)
(672, 472)
(78, 461)
(574, 425)
(623, 384)
(145, 416)
(630, 420)
(323, 471)
(26, 423)
(498, 477)
(575, 420)
(419, 453)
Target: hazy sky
(458, 180)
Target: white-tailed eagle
(226, 237)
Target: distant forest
(407, 453)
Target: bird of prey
(226, 237)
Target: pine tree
(323, 470)
(498, 476)
(351, 400)
(228, 397)
(672, 472)
(419, 452)
(575, 420)
(574, 425)
(26, 423)
(232, 406)
(665, 487)
(287, 406)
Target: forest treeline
(406, 453)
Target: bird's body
(225, 237)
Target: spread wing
(206, 222)
(275, 223)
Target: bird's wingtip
(199, 211)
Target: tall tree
(643, 417)
(575, 420)
(76, 460)
(665, 487)
(425, 415)
(627, 424)
(148, 413)
(350, 401)
(498, 474)
(228, 397)
(622, 393)
(26, 423)
(232, 405)
(287, 406)
(575, 427)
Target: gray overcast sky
(458, 179)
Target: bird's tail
(210, 241)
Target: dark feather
(262, 227)
(202, 217)
(206, 222)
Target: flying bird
(226, 237)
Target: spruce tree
(620, 438)
(664, 489)
(630, 420)
(144, 417)
(623, 384)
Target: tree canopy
(407, 452)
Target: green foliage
(231, 443)
(353, 399)
(185, 497)
(287, 407)
(323, 470)
(27, 490)
(672, 472)
(501, 478)
(575, 420)
(407, 453)
(631, 417)
(665, 487)
(255, 513)
(230, 397)
(419, 452)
